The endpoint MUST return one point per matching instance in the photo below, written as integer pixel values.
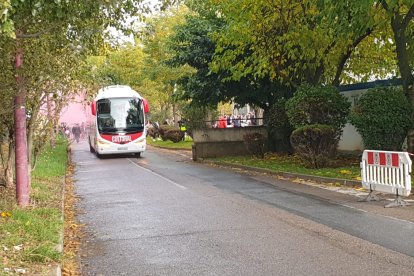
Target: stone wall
(216, 142)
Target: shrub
(312, 105)
(163, 129)
(278, 127)
(255, 144)
(383, 117)
(196, 116)
(175, 135)
(315, 144)
(318, 113)
(152, 132)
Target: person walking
(76, 131)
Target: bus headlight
(140, 142)
(102, 142)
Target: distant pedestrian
(67, 133)
(76, 131)
(222, 123)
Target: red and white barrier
(387, 172)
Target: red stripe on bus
(134, 136)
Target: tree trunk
(50, 122)
(405, 69)
(30, 133)
(410, 136)
(22, 178)
(175, 116)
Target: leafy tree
(398, 16)
(401, 14)
(291, 42)
(193, 44)
(159, 76)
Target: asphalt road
(163, 214)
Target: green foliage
(163, 129)
(279, 128)
(255, 143)
(39, 227)
(193, 44)
(159, 78)
(175, 135)
(383, 117)
(196, 116)
(290, 42)
(318, 113)
(318, 105)
(315, 144)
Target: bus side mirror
(93, 108)
(146, 106)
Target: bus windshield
(120, 115)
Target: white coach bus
(117, 121)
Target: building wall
(351, 140)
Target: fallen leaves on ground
(73, 230)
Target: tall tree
(289, 41)
(159, 76)
(395, 20)
(194, 45)
(401, 14)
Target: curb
(166, 148)
(318, 179)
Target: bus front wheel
(91, 148)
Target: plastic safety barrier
(387, 172)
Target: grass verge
(29, 236)
(345, 167)
(187, 144)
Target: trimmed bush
(174, 135)
(255, 144)
(383, 117)
(315, 144)
(322, 105)
(318, 113)
(163, 129)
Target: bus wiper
(108, 130)
(133, 129)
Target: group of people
(74, 132)
(236, 120)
